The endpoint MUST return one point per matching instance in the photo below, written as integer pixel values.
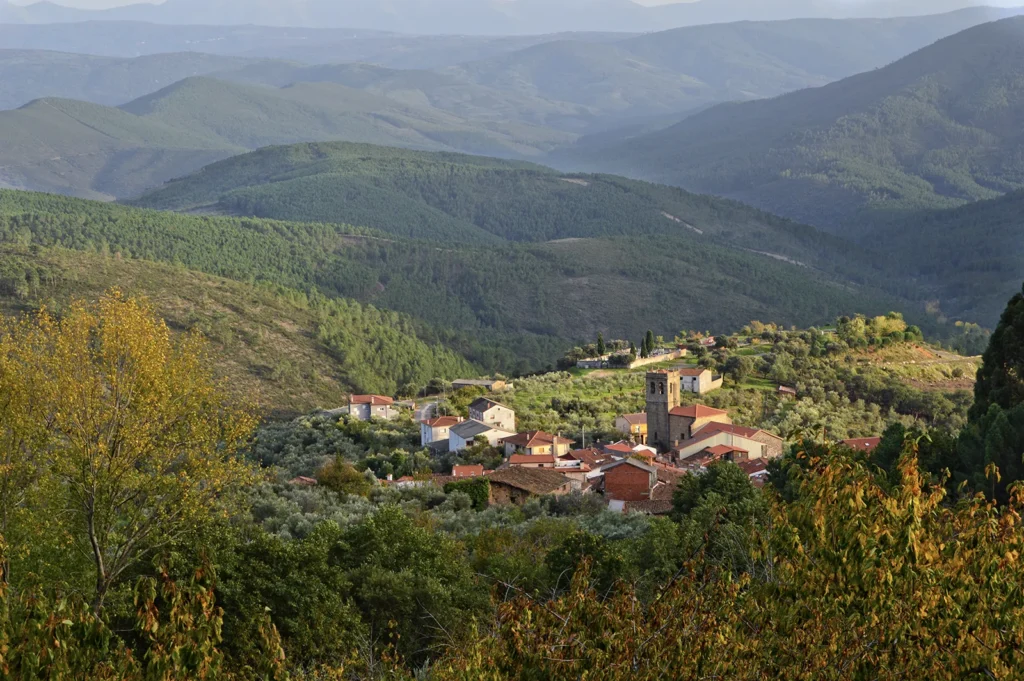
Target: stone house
(633, 425)
(436, 431)
(667, 421)
(699, 381)
(514, 486)
(536, 443)
(493, 414)
(366, 407)
(464, 435)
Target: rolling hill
(39, 74)
(971, 258)
(508, 307)
(87, 150)
(292, 352)
(454, 198)
(936, 129)
(475, 16)
(687, 69)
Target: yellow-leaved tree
(126, 442)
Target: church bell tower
(662, 397)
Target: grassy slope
(938, 128)
(266, 341)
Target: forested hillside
(936, 129)
(37, 74)
(294, 352)
(477, 200)
(511, 307)
(971, 257)
(92, 151)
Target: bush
(477, 489)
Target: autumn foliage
(850, 582)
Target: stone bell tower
(662, 397)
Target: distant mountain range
(939, 128)
(88, 150)
(473, 16)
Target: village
(636, 473)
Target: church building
(669, 423)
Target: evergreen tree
(1001, 378)
(632, 348)
(649, 340)
(601, 348)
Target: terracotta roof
(442, 422)
(635, 419)
(864, 444)
(621, 447)
(721, 450)
(535, 438)
(303, 481)
(532, 480)
(693, 372)
(630, 462)
(650, 507)
(787, 390)
(528, 459)
(697, 411)
(592, 457)
(375, 400)
(467, 471)
(742, 431)
(753, 467)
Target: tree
(141, 440)
(1001, 377)
(600, 345)
(649, 341)
(739, 367)
(341, 477)
(632, 348)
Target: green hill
(971, 258)
(936, 129)
(101, 152)
(37, 74)
(510, 307)
(294, 352)
(455, 198)
(94, 151)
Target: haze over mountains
(880, 131)
(938, 128)
(503, 17)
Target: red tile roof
(753, 467)
(375, 400)
(697, 411)
(721, 450)
(693, 372)
(592, 457)
(864, 444)
(532, 480)
(619, 448)
(442, 422)
(467, 471)
(535, 438)
(303, 481)
(635, 419)
(741, 431)
(531, 460)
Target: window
(661, 388)
(652, 387)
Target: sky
(104, 4)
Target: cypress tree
(600, 345)
(1001, 377)
(649, 341)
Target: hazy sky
(102, 4)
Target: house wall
(756, 449)
(429, 436)
(359, 412)
(499, 417)
(773, 445)
(506, 495)
(627, 483)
